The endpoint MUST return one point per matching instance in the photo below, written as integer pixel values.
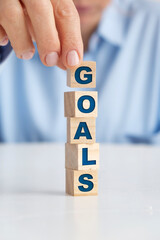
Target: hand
(53, 24)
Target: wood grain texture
(73, 184)
(71, 101)
(73, 156)
(72, 126)
(71, 82)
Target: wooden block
(83, 76)
(81, 183)
(82, 156)
(80, 104)
(81, 130)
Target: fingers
(57, 31)
(53, 24)
(29, 24)
(68, 26)
(3, 37)
(41, 14)
(13, 21)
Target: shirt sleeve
(4, 52)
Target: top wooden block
(83, 76)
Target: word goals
(81, 149)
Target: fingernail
(52, 59)
(4, 41)
(72, 58)
(27, 55)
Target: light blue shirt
(126, 47)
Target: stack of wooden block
(81, 149)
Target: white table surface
(33, 204)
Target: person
(122, 36)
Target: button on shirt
(126, 47)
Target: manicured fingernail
(72, 58)
(4, 41)
(27, 55)
(52, 59)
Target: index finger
(68, 26)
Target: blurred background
(123, 37)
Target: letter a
(79, 133)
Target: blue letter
(79, 133)
(91, 107)
(86, 182)
(85, 158)
(88, 76)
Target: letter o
(80, 104)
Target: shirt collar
(112, 26)
(115, 19)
